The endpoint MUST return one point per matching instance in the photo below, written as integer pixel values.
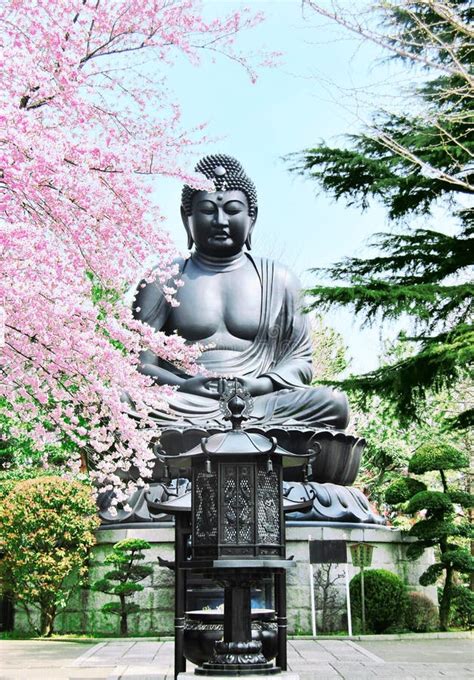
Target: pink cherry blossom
(86, 125)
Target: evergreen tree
(443, 525)
(127, 571)
(411, 162)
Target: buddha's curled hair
(227, 173)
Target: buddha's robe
(281, 350)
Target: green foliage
(415, 550)
(437, 456)
(462, 498)
(10, 478)
(421, 614)
(130, 544)
(104, 586)
(46, 531)
(433, 501)
(458, 558)
(127, 571)
(128, 588)
(20, 458)
(329, 351)
(433, 529)
(389, 445)
(432, 574)
(403, 489)
(462, 607)
(118, 609)
(385, 599)
(410, 162)
(103, 298)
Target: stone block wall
(156, 617)
(84, 615)
(389, 553)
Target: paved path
(312, 660)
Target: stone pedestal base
(157, 600)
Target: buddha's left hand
(258, 386)
(200, 385)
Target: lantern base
(252, 675)
(234, 670)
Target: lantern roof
(240, 442)
(182, 503)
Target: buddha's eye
(206, 207)
(234, 207)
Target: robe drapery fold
(281, 351)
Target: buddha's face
(220, 222)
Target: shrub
(421, 613)
(46, 530)
(462, 607)
(401, 490)
(385, 599)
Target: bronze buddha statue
(245, 310)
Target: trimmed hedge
(385, 599)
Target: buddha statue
(245, 311)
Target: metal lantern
(236, 492)
(237, 530)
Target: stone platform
(157, 600)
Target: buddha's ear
(185, 219)
(248, 240)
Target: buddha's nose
(221, 219)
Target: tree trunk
(445, 604)
(47, 620)
(123, 617)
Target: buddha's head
(220, 222)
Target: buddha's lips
(219, 236)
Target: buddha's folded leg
(311, 405)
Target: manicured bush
(385, 599)
(437, 456)
(401, 490)
(421, 614)
(46, 531)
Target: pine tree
(127, 571)
(411, 162)
(443, 525)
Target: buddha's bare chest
(217, 306)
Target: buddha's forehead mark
(220, 197)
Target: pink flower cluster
(85, 126)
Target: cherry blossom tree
(86, 126)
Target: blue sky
(290, 107)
